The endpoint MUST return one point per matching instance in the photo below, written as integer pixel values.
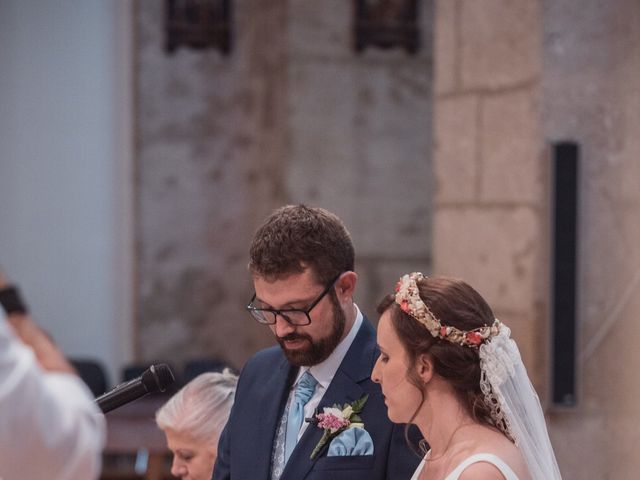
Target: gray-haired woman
(192, 421)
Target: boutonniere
(337, 419)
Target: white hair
(200, 408)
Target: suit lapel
(271, 398)
(344, 388)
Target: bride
(449, 367)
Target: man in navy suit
(302, 262)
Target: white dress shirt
(50, 426)
(324, 372)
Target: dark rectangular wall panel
(564, 273)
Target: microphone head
(157, 378)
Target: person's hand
(47, 353)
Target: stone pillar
(490, 218)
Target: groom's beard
(319, 350)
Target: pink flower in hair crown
(474, 338)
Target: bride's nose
(375, 373)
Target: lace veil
(514, 404)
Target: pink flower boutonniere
(335, 420)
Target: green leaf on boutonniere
(358, 405)
(323, 441)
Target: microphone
(154, 379)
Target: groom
(302, 262)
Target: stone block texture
(292, 115)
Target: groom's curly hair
(296, 237)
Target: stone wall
(360, 138)
(211, 139)
(291, 115)
(591, 95)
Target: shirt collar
(324, 372)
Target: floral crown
(408, 298)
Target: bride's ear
(425, 367)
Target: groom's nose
(282, 328)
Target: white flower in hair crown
(408, 298)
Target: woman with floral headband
(449, 367)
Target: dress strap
(483, 457)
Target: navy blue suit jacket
(246, 444)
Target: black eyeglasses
(295, 316)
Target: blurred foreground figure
(192, 421)
(50, 426)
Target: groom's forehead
(284, 290)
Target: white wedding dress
(478, 457)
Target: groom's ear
(425, 367)
(346, 285)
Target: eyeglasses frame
(250, 308)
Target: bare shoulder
(481, 471)
(494, 442)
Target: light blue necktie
(303, 392)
